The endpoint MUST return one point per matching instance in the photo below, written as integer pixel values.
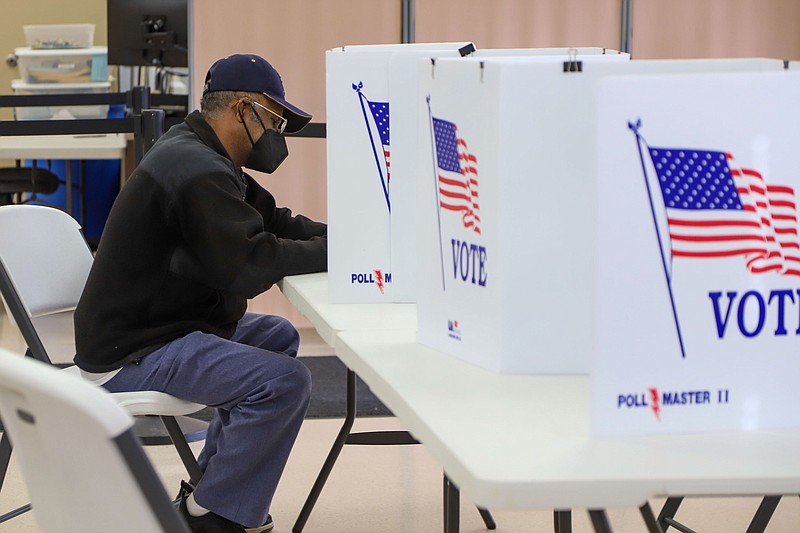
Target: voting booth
(506, 198)
(360, 168)
(372, 99)
(698, 256)
(404, 100)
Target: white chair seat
(148, 402)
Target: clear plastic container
(81, 65)
(59, 35)
(59, 111)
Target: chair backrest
(45, 256)
(44, 264)
(83, 467)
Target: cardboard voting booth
(360, 169)
(506, 205)
(698, 254)
(404, 101)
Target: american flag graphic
(717, 209)
(380, 112)
(458, 174)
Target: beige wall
(716, 28)
(520, 23)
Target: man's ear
(236, 105)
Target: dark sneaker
(213, 523)
(262, 529)
(209, 522)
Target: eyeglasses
(278, 122)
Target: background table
(69, 148)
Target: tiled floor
(395, 489)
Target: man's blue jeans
(261, 394)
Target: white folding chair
(44, 264)
(54, 418)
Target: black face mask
(268, 152)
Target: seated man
(189, 239)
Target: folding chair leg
(182, 446)
(5, 457)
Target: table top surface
(309, 294)
(101, 146)
(523, 441)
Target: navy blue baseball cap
(253, 74)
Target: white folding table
(523, 441)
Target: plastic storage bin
(59, 35)
(82, 65)
(57, 111)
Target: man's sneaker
(262, 529)
(213, 523)
(209, 522)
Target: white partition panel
(359, 143)
(698, 254)
(506, 242)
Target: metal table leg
(488, 520)
(759, 522)
(650, 519)
(451, 501)
(668, 511)
(562, 521)
(600, 520)
(82, 191)
(384, 438)
(338, 444)
(68, 185)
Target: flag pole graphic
(361, 98)
(436, 187)
(639, 140)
